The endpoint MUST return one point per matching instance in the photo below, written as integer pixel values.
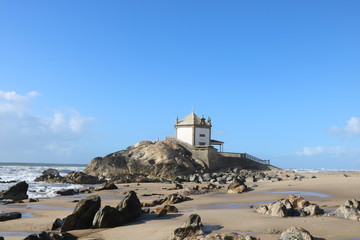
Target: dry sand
(220, 212)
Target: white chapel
(195, 131)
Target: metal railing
(245, 155)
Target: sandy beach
(220, 212)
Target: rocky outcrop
(16, 192)
(191, 229)
(9, 216)
(67, 192)
(129, 209)
(50, 176)
(51, 236)
(297, 233)
(349, 210)
(290, 206)
(161, 159)
(83, 214)
(237, 186)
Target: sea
(10, 172)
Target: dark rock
(67, 192)
(106, 186)
(9, 216)
(162, 213)
(83, 214)
(191, 229)
(50, 236)
(16, 192)
(81, 178)
(129, 209)
(2, 238)
(57, 224)
(50, 176)
(297, 233)
(33, 200)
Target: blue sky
(280, 79)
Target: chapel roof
(193, 119)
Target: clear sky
(280, 79)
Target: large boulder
(16, 192)
(129, 209)
(190, 230)
(161, 159)
(237, 186)
(83, 214)
(295, 233)
(349, 210)
(107, 185)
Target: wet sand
(220, 212)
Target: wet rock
(57, 224)
(16, 192)
(50, 236)
(33, 200)
(9, 216)
(106, 186)
(83, 214)
(237, 186)
(297, 233)
(349, 210)
(67, 192)
(129, 209)
(81, 178)
(50, 175)
(168, 208)
(191, 229)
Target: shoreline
(220, 212)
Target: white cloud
(331, 150)
(25, 134)
(351, 129)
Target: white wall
(199, 139)
(185, 134)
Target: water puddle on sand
(224, 206)
(16, 234)
(36, 206)
(301, 193)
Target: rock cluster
(51, 236)
(290, 206)
(88, 213)
(53, 176)
(16, 192)
(349, 210)
(197, 190)
(171, 199)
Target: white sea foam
(28, 172)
